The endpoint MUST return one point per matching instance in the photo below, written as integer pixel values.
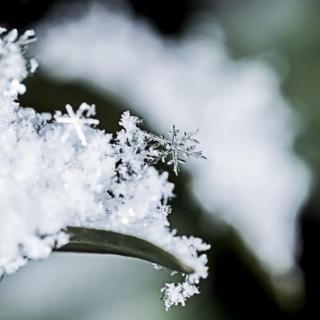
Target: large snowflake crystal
(175, 149)
(61, 171)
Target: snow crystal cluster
(59, 170)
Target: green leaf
(88, 240)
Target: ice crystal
(58, 171)
(78, 120)
(176, 149)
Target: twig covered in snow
(61, 171)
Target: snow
(252, 179)
(59, 171)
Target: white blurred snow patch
(252, 178)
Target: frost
(59, 171)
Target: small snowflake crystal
(78, 120)
(60, 171)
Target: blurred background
(246, 73)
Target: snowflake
(175, 149)
(78, 120)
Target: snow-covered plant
(67, 185)
(247, 127)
